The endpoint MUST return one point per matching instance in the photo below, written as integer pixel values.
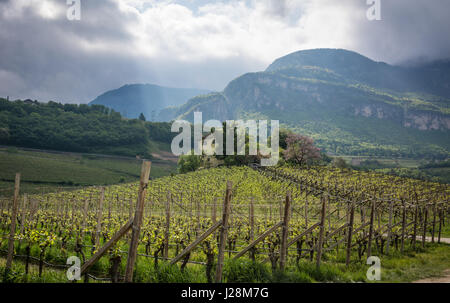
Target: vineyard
(282, 217)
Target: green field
(47, 171)
(392, 162)
(402, 167)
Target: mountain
(432, 78)
(132, 100)
(348, 103)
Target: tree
(188, 163)
(76, 128)
(340, 163)
(142, 117)
(300, 149)
(4, 134)
(284, 133)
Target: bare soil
(443, 279)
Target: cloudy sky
(196, 43)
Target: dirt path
(428, 239)
(166, 156)
(444, 279)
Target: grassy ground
(18, 273)
(445, 232)
(44, 171)
(409, 168)
(392, 162)
(414, 266)
(395, 268)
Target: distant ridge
(133, 99)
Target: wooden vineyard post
(190, 206)
(109, 212)
(205, 210)
(321, 232)
(99, 218)
(130, 211)
(434, 222)
(214, 211)
(12, 231)
(285, 231)
(121, 208)
(223, 232)
(32, 210)
(66, 209)
(329, 216)
(440, 224)
(280, 207)
(444, 213)
(137, 221)
(23, 214)
(252, 227)
(198, 218)
(372, 216)
(378, 213)
(306, 216)
(306, 212)
(350, 234)
(388, 242)
(117, 206)
(2, 204)
(58, 206)
(337, 209)
(416, 214)
(363, 217)
(74, 208)
(347, 214)
(445, 205)
(167, 227)
(425, 219)
(402, 249)
(130, 208)
(85, 216)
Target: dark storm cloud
(47, 57)
(409, 30)
(50, 59)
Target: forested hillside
(79, 128)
